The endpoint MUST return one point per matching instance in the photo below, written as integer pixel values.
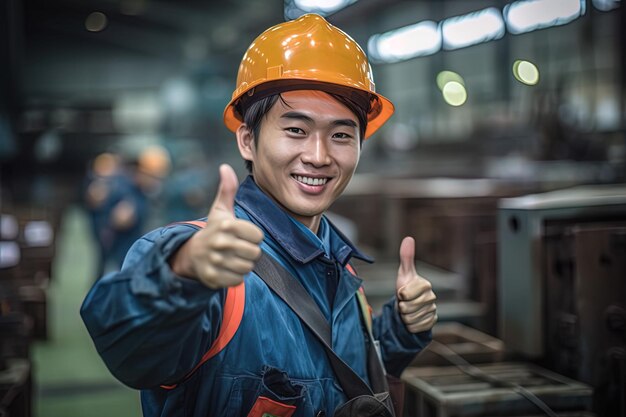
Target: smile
(310, 181)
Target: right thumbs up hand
(225, 250)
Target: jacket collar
(275, 221)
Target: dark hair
(254, 113)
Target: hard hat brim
(381, 108)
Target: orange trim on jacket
(366, 309)
(233, 313)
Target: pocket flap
(266, 407)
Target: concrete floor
(70, 379)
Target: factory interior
(505, 159)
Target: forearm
(398, 345)
(150, 326)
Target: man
(118, 206)
(304, 103)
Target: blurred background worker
(103, 186)
(117, 197)
(506, 159)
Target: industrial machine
(562, 286)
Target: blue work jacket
(152, 327)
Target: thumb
(407, 262)
(225, 199)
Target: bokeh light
(454, 93)
(96, 22)
(526, 72)
(445, 77)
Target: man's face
(306, 153)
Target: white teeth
(311, 181)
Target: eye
(342, 136)
(295, 130)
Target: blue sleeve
(398, 346)
(150, 326)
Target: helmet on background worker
(307, 54)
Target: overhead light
(529, 15)
(96, 22)
(606, 5)
(9, 254)
(444, 77)
(420, 39)
(9, 228)
(179, 95)
(452, 86)
(326, 6)
(526, 72)
(38, 233)
(296, 8)
(454, 93)
(470, 29)
(136, 112)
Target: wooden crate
(472, 345)
(449, 392)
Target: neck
(313, 223)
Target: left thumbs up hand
(416, 299)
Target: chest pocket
(275, 393)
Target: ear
(245, 142)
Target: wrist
(179, 263)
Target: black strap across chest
(291, 291)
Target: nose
(316, 151)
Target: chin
(308, 212)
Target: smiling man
(309, 151)
(191, 321)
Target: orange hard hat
(106, 164)
(307, 54)
(154, 160)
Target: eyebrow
(303, 117)
(344, 122)
(296, 115)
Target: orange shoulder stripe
(366, 309)
(233, 313)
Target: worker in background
(105, 183)
(150, 172)
(116, 197)
(189, 321)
